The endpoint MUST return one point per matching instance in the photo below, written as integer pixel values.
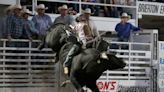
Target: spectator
(14, 27)
(94, 8)
(110, 11)
(74, 6)
(8, 12)
(120, 2)
(64, 17)
(130, 2)
(130, 11)
(42, 21)
(87, 13)
(15, 24)
(71, 11)
(119, 10)
(124, 28)
(29, 28)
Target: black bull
(87, 66)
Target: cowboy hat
(9, 8)
(26, 11)
(87, 10)
(41, 6)
(16, 7)
(63, 7)
(125, 15)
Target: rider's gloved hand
(89, 38)
(72, 39)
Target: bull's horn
(104, 55)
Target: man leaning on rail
(42, 21)
(124, 29)
(14, 24)
(28, 25)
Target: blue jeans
(71, 54)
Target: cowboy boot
(67, 64)
(66, 70)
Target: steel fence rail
(28, 67)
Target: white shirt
(79, 29)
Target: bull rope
(93, 40)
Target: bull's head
(113, 62)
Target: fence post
(29, 63)
(129, 61)
(80, 7)
(4, 57)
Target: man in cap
(124, 28)
(15, 23)
(28, 25)
(42, 21)
(64, 17)
(87, 13)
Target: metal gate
(25, 69)
(136, 76)
(140, 74)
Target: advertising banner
(150, 8)
(122, 86)
(107, 86)
(161, 65)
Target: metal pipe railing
(126, 74)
